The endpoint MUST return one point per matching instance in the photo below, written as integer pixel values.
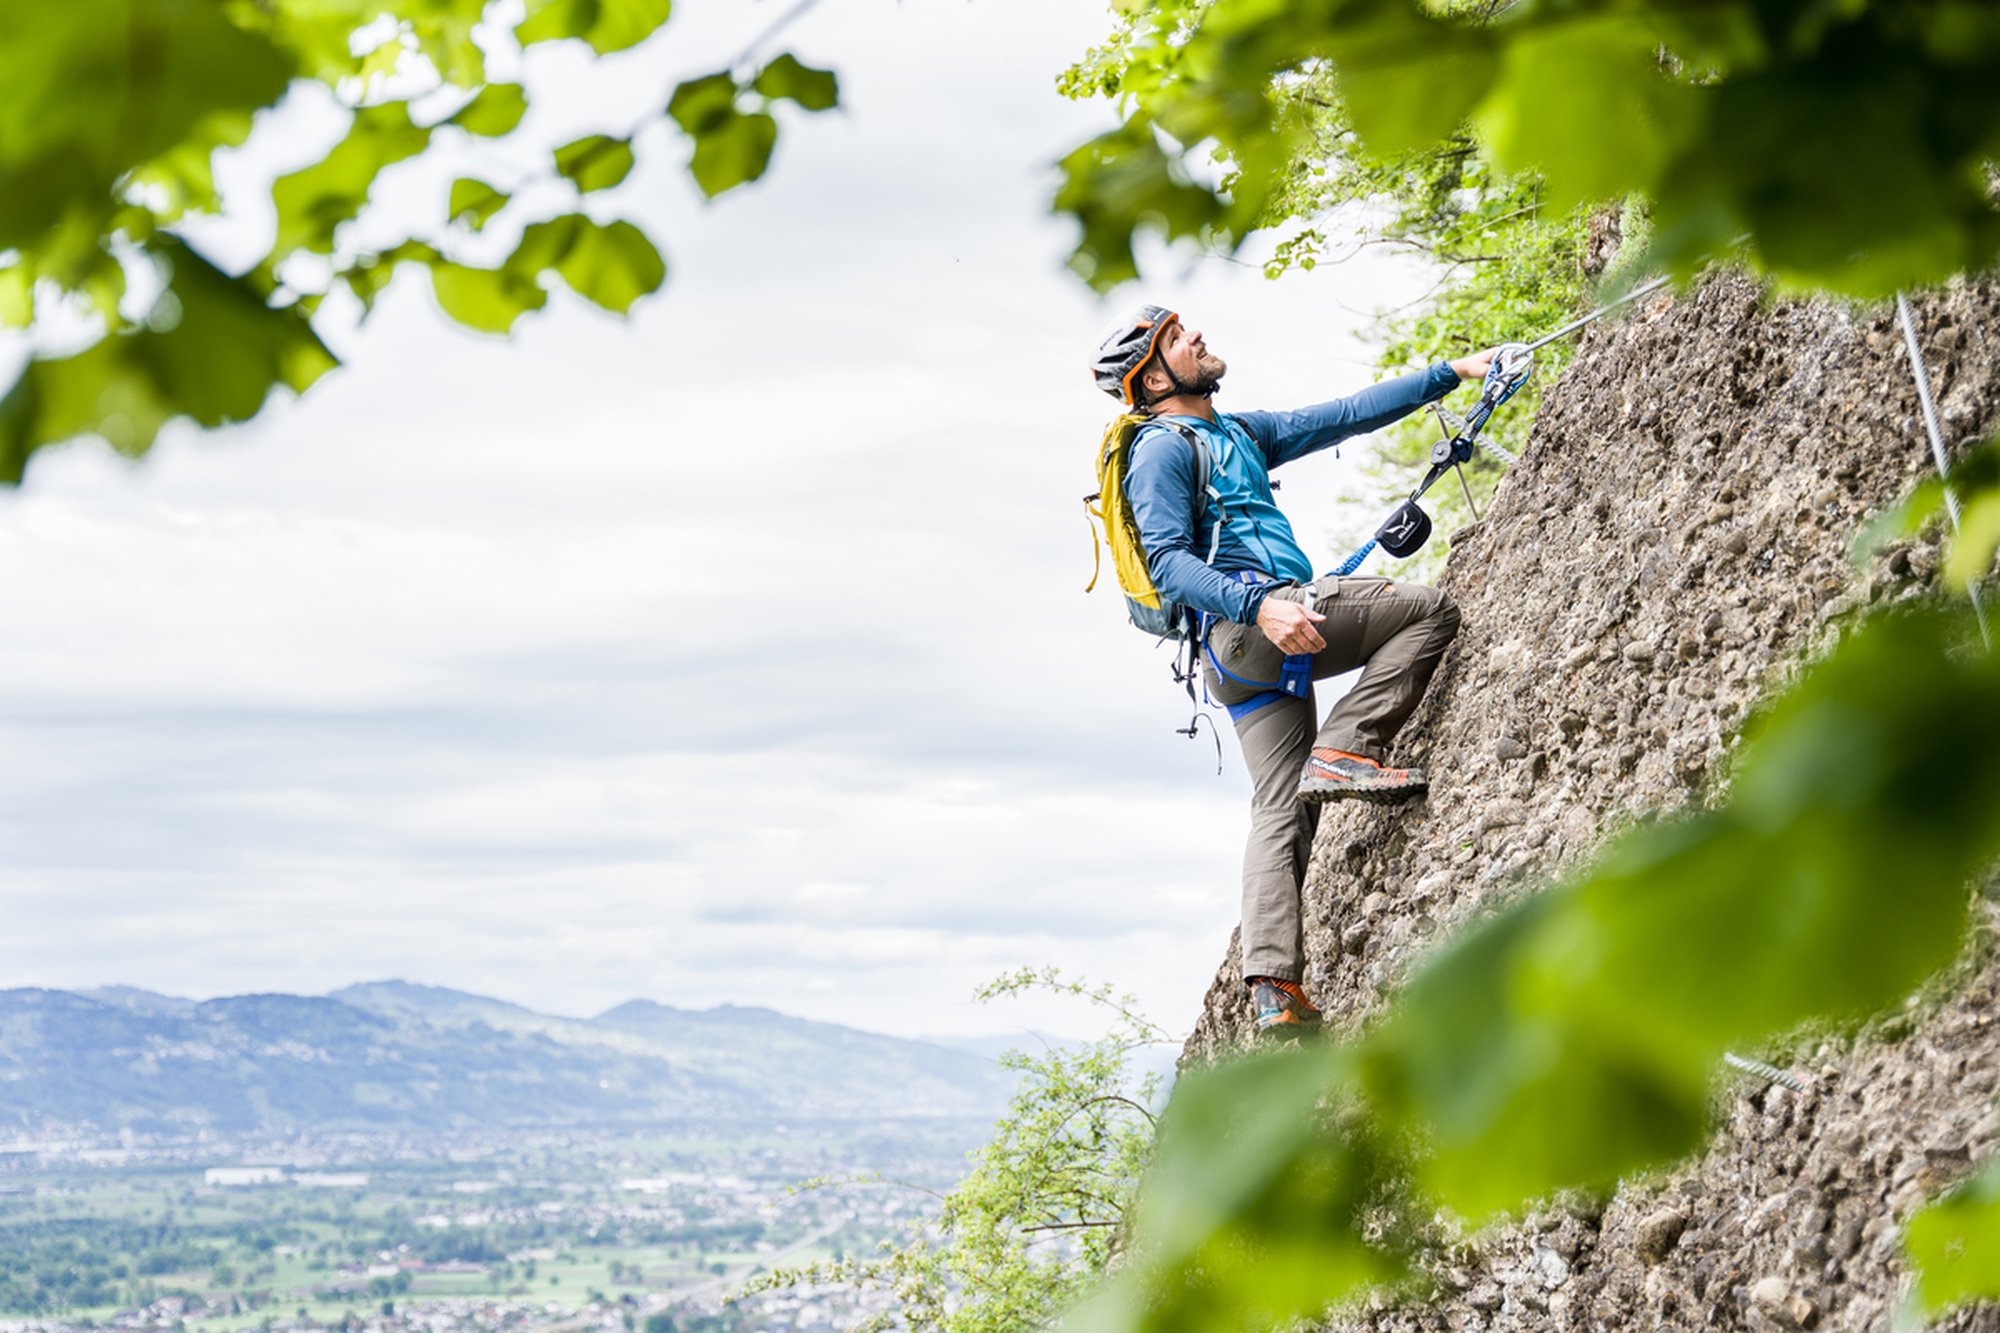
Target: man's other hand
(1473, 368)
(1290, 625)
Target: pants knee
(1442, 611)
(1446, 615)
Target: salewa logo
(1401, 531)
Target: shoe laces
(1290, 988)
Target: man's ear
(1155, 378)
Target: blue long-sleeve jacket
(1244, 448)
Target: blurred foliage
(1955, 1245)
(1571, 1039)
(113, 111)
(1975, 483)
(1035, 1224)
(1846, 145)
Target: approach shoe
(1335, 775)
(1282, 1009)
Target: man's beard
(1207, 378)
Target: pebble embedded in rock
(1509, 748)
(1636, 651)
(1658, 1233)
(1769, 1294)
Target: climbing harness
(1408, 527)
(1294, 673)
(1937, 449)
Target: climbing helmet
(1125, 349)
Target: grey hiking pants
(1395, 632)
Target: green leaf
(1120, 183)
(473, 202)
(313, 202)
(381, 64)
(1253, 1214)
(813, 89)
(702, 105)
(611, 264)
(495, 111)
(1560, 86)
(1408, 79)
(595, 163)
(732, 151)
(183, 175)
(489, 300)
(17, 296)
(90, 89)
(217, 364)
(608, 25)
(1954, 1244)
(1978, 538)
(1564, 1102)
(369, 276)
(443, 29)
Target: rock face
(1674, 542)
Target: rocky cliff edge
(1673, 543)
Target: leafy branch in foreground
(1034, 1225)
(117, 108)
(1848, 148)
(1571, 1040)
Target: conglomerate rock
(1676, 540)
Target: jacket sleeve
(1159, 484)
(1284, 436)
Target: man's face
(1189, 358)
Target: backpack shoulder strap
(1204, 483)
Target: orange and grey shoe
(1334, 775)
(1282, 1008)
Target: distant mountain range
(391, 1055)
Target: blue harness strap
(1294, 677)
(1237, 712)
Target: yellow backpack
(1149, 609)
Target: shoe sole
(1318, 791)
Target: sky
(736, 652)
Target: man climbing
(1259, 603)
